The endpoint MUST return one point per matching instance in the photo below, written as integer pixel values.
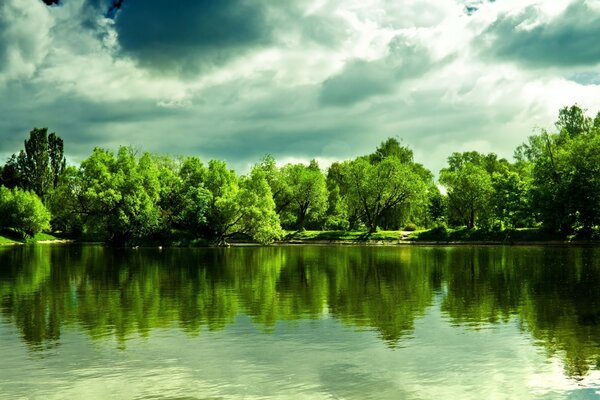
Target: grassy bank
(356, 236)
(436, 235)
(8, 237)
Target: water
(85, 322)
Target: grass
(479, 235)
(429, 235)
(5, 240)
(8, 236)
(342, 235)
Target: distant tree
(243, 206)
(11, 176)
(470, 192)
(578, 163)
(307, 192)
(336, 215)
(277, 182)
(511, 198)
(437, 206)
(573, 121)
(39, 166)
(374, 189)
(64, 204)
(392, 148)
(118, 195)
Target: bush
(410, 227)
(23, 212)
(336, 223)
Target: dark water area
(307, 322)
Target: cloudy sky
(325, 79)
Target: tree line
(128, 198)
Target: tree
(118, 195)
(391, 148)
(242, 206)
(40, 165)
(573, 121)
(277, 182)
(511, 198)
(578, 163)
(373, 189)
(307, 190)
(10, 175)
(469, 193)
(22, 211)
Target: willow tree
(374, 189)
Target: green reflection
(553, 293)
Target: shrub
(336, 223)
(410, 227)
(23, 212)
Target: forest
(131, 198)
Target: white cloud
(24, 38)
(71, 77)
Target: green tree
(41, 164)
(573, 121)
(118, 195)
(23, 212)
(391, 148)
(469, 193)
(243, 206)
(307, 192)
(511, 198)
(374, 189)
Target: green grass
(5, 240)
(43, 237)
(479, 235)
(8, 236)
(342, 235)
(429, 235)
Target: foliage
(470, 192)
(39, 166)
(306, 192)
(128, 198)
(22, 211)
(374, 189)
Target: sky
(304, 79)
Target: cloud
(187, 37)
(307, 79)
(24, 37)
(360, 79)
(528, 38)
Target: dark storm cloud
(586, 78)
(358, 81)
(570, 39)
(361, 80)
(185, 37)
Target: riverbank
(9, 239)
(436, 236)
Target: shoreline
(340, 242)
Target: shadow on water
(553, 293)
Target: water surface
(299, 322)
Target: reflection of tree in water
(554, 292)
(386, 289)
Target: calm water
(300, 322)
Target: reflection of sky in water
(307, 359)
(300, 322)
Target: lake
(305, 322)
